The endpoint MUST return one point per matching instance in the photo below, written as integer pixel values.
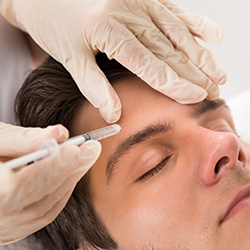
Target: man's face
(175, 177)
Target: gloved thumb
(89, 153)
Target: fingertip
(212, 33)
(193, 97)
(90, 149)
(91, 144)
(202, 27)
(219, 76)
(214, 94)
(68, 155)
(105, 99)
(188, 92)
(89, 153)
(59, 132)
(197, 94)
(37, 136)
(111, 110)
(111, 117)
(223, 79)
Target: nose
(219, 153)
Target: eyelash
(155, 170)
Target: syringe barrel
(104, 132)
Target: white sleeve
(15, 63)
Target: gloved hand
(152, 38)
(32, 197)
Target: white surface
(239, 106)
(233, 53)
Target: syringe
(51, 145)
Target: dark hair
(50, 96)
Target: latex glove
(149, 37)
(32, 197)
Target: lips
(241, 200)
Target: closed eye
(155, 170)
(223, 127)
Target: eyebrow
(153, 130)
(125, 146)
(209, 105)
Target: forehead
(140, 103)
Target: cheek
(155, 213)
(138, 220)
(246, 148)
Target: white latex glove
(152, 38)
(32, 197)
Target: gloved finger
(35, 181)
(163, 49)
(44, 211)
(199, 25)
(89, 152)
(185, 42)
(154, 71)
(94, 85)
(16, 141)
(45, 208)
(30, 220)
(188, 93)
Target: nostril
(242, 157)
(223, 161)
